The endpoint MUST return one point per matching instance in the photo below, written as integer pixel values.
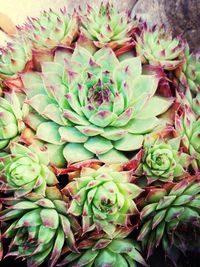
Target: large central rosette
(93, 104)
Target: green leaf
(98, 145)
(49, 132)
(70, 258)
(44, 202)
(65, 225)
(158, 218)
(128, 69)
(113, 133)
(178, 171)
(130, 261)
(122, 261)
(75, 208)
(174, 213)
(90, 130)
(155, 106)
(189, 214)
(147, 210)
(105, 258)
(103, 118)
(55, 153)
(159, 232)
(113, 156)
(53, 67)
(87, 257)
(37, 259)
(45, 234)
(58, 245)
(17, 149)
(179, 188)
(75, 118)
(120, 246)
(165, 202)
(146, 228)
(81, 55)
(23, 205)
(130, 142)
(76, 152)
(118, 105)
(31, 218)
(134, 254)
(106, 58)
(49, 218)
(72, 135)
(142, 85)
(182, 200)
(175, 143)
(40, 102)
(54, 113)
(124, 118)
(142, 126)
(33, 83)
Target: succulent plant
(165, 209)
(162, 159)
(103, 197)
(190, 99)
(188, 127)
(11, 117)
(100, 250)
(23, 171)
(105, 25)
(94, 107)
(52, 29)
(189, 72)
(39, 227)
(157, 47)
(97, 105)
(14, 57)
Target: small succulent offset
(39, 226)
(165, 209)
(52, 29)
(23, 171)
(189, 72)
(188, 127)
(103, 197)
(11, 117)
(100, 250)
(105, 25)
(99, 140)
(162, 159)
(157, 47)
(14, 57)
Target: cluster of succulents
(99, 140)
